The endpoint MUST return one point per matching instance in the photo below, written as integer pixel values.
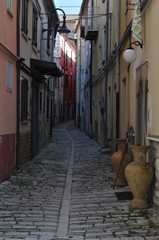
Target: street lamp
(63, 30)
(130, 54)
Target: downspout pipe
(106, 77)
(52, 99)
(91, 62)
(91, 53)
(117, 68)
(18, 87)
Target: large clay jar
(116, 160)
(139, 176)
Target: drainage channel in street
(65, 207)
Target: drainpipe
(79, 91)
(64, 65)
(18, 87)
(91, 50)
(106, 76)
(91, 55)
(117, 30)
(52, 84)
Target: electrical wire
(91, 17)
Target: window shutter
(25, 16)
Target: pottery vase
(139, 176)
(116, 160)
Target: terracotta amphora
(139, 176)
(116, 159)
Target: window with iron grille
(25, 16)
(24, 99)
(10, 6)
(34, 29)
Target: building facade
(138, 85)
(122, 94)
(38, 23)
(65, 58)
(58, 86)
(8, 60)
(68, 64)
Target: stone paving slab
(31, 200)
(96, 213)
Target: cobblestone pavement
(66, 192)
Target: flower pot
(139, 176)
(116, 159)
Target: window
(66, 81)
(48, 33)
(62, 79)
(9, 76)
(57, 82)
(104, 44)
(48, 107)
(62, 49)
(25, 16)
(24, 99)
(66, 59)
(71, 84)
(71, 59)
(40, 101)
(34, 30)
(10, 6)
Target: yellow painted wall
(151, 52)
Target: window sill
(9, 90)
(24, 121)
(48, 52)
(10, 12)
(24, 35)
(34, 48)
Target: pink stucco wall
(7, 52)
(8, 25)
(7, 98)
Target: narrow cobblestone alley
(66, 192)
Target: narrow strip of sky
(69, 6)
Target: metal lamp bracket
(137, 43)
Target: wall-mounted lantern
(63, 30)
(130, 54)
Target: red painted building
(68, 63)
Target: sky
(69, 6)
